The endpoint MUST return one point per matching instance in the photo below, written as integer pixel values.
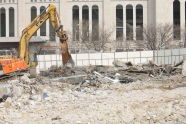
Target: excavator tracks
(6, 77)
(10, 76)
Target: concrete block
(5, 90)
(17, 91)
(33, 72)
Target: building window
(75, 14)
(52, 34)
(119, 23)
(129, 22)
(33, 16)
(43, 27)
(176, 20)
(95, 23)
(85, 23)
(2, 22)
(139, 22)
(11, 22)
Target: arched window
(33, 15)
(176, 19)
(52, 34)
(129, 22)
(85, 27)
(139, 22)
(43, 27)
(119, 23)
(11, 22)
(75, 17)
(95, 23)
(2, 22)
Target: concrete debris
(25, 79)
(126, 93)
(17, 91)
(118, 63)
(5, 91)
(73, 79)
(105, 78)
(151, 68)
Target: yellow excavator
(26, 58)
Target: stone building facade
(87, 19)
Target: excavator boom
(51, 14)
(24, 60)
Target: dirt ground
(47, 101)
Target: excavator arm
(51, 14)
(9, 65)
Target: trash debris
(45, 95)
(56, 118)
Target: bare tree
(157, 37)
(105, 40)
(96, 40)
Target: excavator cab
(6, 54)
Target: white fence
(170, 56)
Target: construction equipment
(6, 54)
(26, 59)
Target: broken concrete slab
(118, 63)
(25, 79)
(5, 90)
(17, 91)
(77, 79)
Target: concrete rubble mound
(124, 93)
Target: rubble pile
(121, 72)
(124, 93)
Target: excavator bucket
(66, 57)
